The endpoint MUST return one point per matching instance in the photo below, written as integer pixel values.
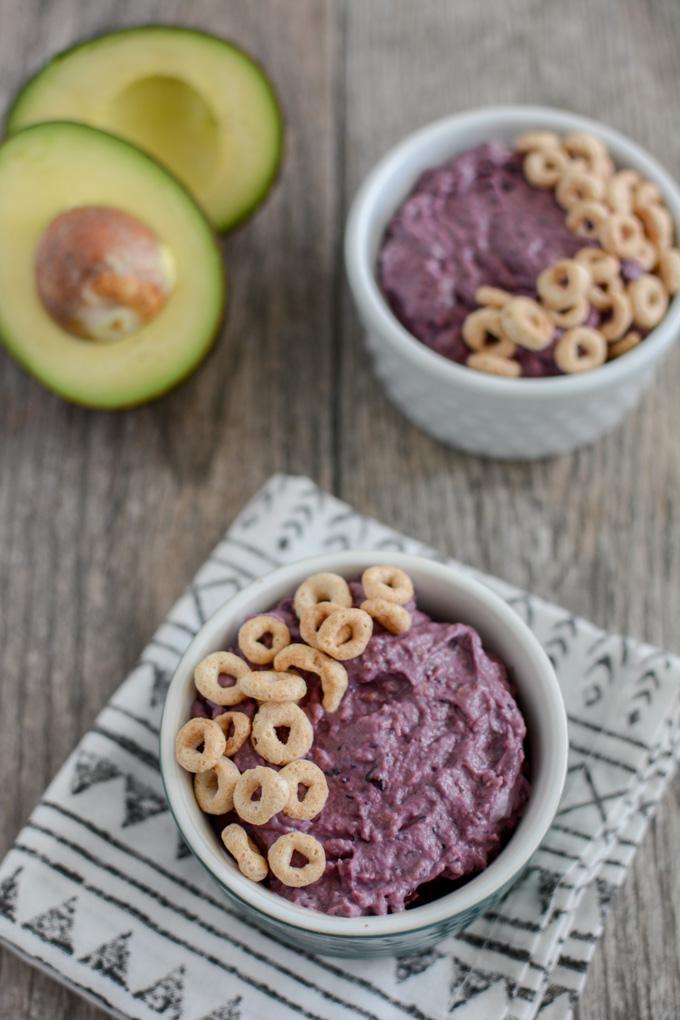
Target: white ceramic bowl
(449, 594)
(485, 414)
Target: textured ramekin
(485, 414)
(449, 594)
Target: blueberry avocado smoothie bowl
(516, 271)
(364, 752)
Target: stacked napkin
(100, 891)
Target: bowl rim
(502, 870)
(378, 316)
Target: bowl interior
(393, 178)
(448, 594)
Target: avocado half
(197, 103)
(51, 168)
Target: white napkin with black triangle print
(100, 892)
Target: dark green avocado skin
(94, 41)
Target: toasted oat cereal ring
(266, 741)
(620, 234)
(332, 674)
(658, 225)
(250, 639)
(492, 297)
(646, 193)
(208, 672)
(576, 164)
(345, 634)
(304, 773)
(586, 147)
(527, 324)
(312, 618)
(482, 332)
(620, 190)
(587, 218)
(580, 350)
(619, 317)
(569, 317)
(493, 364)
(600, 264)
(669, 268)
(544, 167)
(385, 582)
(236, 729)
(482, 329)
(576, 185)
(537, 140)
(600, 294)
(281, 852)
(627, 343)
(392, 617)
(194, 734)
(564, 283)
(646, 255)
(273, 685)
(273, 794)
(214, 789)
(242, 848)
(604, 168)
(649, 299)
(325, 587)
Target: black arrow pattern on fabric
(182, 850)
(141, 802)
(230, 1011)
(111, 959)
(554, 992)
(548, 882)
(604, 895)
(56, 925)
(159, 687)
(9, 889)
(166, 995)
(91, 769)
(416, 963)
(467, 983)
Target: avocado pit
(101, 273)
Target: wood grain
(103, 518)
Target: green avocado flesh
(50, 168)
(198, 104)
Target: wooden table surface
(104, 517)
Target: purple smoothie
(425, 766)
(475, 220)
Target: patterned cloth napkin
(100, 892)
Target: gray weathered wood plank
(103, 518)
